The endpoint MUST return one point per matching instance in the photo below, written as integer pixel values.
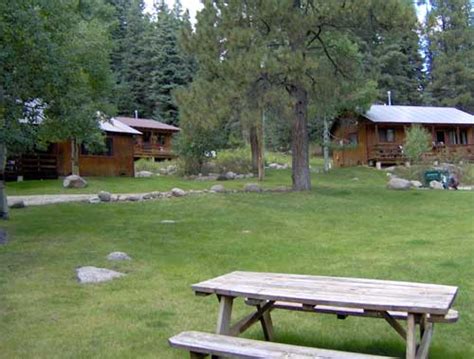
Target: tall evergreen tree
(172, 68)
(450, 54)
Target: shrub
(237, 160)
(417, 142)
(148, 164)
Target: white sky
(192, 5)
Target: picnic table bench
(420, 305)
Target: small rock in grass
(96, 275)
(218, 188)
(133, 198)
(144, 174)
(436, 185)
(18, 204)
(178, 192)
(104, 196)
(398, 184)
(3, 237)
(416, 184)
(118, 256)
(230, 175)
(168, 221)
(74, 181)
(94, 200)
(252, 187)
(245, 231)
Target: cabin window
(107, 150)
(440, 137)
(386, 135)
(463, 137)
(353, 139)
(453, 137)
(161, 139)
(146, 136)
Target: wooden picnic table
(421, 304)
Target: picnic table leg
(411, 337)
(267, 324)
(225, 312)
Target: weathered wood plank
(222, 345)
(411, 337)
(395, 325)
(451, 317)
(246, 322)
(349, 292)
(424, 347)
(225, 313)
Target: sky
(192, 5)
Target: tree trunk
(257, 149)
(74, 157)
(326, 145)
(300, 142)
(3, 193)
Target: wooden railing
(152, 150)
(32, 166)
(447, 153)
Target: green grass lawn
(344, 227)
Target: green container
(436, 175)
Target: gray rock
(74, 181)
(168, 221)
(218, 188)
(252, 187)
(230, 175)
(148, 196)
(18, 204)
(390, 169)
(3, 236)
(249, 175)
(416, 184)
(273, 165)
(436, 185)
(96, 275)
(398, 184)
(94, 200)
(144, 174)
(104, 196)
(178, 192)
(133, 198)
(222, 178)
(118, 256)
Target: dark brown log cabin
(156, 139)
(378, 135)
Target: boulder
(94, 200)
(398, 184)
(416, 184)
(18, 204)
(96, 275)
(436, 185)
(133, 198)
(222, 177)
(105, 196)
(178, 192)
(144, 174)
(273, 165)
(118, 256)
(148, 196)
(252, 187)
(3, 236)
(218, 188)
(74, 181)
(230, 175)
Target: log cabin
(117, 159)
(377, 136)
(156, 139)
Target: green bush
(148, 164)
(236, 160)
(417, 142)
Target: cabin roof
(146, 123)
(115, 126)
(418, 114)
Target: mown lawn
(344, 227)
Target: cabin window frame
(353, 138)
(383, 136)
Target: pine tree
(451, 54)
(172, 68)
